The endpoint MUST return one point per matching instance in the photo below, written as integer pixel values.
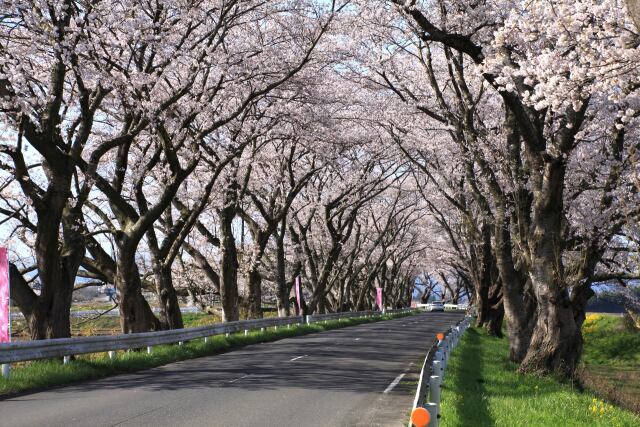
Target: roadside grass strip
(611, 359)
(484, 389)
(30, 376)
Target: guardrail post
(246, 332)
(308, 318)
(112, 354)
(434, 391)
(262, 330)
(180, 342)
(433, 412)
(66, 360)
(437, 368)
(6, 369)
(206, 340)
(149, 349)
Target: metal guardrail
(347, 314)
(423, 384)
(462, 306)
(433, 372)
(337, 316)
(65, 347)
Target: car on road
(435, 306)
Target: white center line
(357, 339)
(296, 358)
(393, 384)
(238, 379)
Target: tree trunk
(254, 282)
(556, 342)
(170, 314)
(47, 314)
(283, 291)
(580, 296)
(488, 288)
(135, 313)
(513, 291)
(495, 310)
(228, 268)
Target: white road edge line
(393, 384)
(296, 358)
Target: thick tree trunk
(556, 342)
(228, 268)
(495, 310)
(482, 303)
(47, 314)
(170, 314)
(513, 292)
(135, 313)
(488, 288)
(254, 283)
(316, 303)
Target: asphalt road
(362, 375)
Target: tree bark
(58, 262)
(283, 290)
(488, 287)
(634, 10)
(556, 342)
(516, 315)
(228, 267)
(135, 313)
(254, 282)
(170, 314)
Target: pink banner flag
(5, 335)
(379, 298)
(298, 290)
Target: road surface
(362, 375)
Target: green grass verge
(611, 360)
(608, 342)
(48, 373)
(482, 388)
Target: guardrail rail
(66, 347)
(433, 374)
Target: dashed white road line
(393, 384)
(296, 358)
(238, 379)
(397, 380)
(357, 339)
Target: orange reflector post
(440, 336)
(420, 417)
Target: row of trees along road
(223, 147)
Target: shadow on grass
(470, 383)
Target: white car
(435, 306)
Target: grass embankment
(109, 325)
(482, 388)
(98, 324)
(41, 374)
(611, 359)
